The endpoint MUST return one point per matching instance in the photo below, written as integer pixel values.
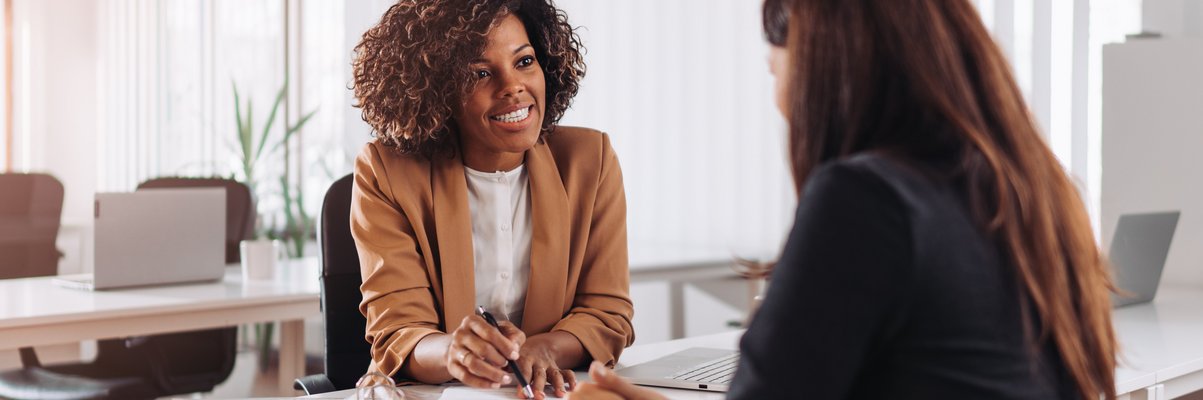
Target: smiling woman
(472, 195)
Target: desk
(35, 311)
(633, 355)
(1161, 345)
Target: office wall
(1152, 138)
(56, 104)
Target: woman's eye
(526, 61)
(482, 74)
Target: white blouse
(499, 203)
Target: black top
(888, 289)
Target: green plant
(253, 146)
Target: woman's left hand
(537, 360)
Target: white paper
(467, 393)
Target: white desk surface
(1161, 346)
(36, 311)
(633, 355)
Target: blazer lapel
(550, 221)
(453, 228)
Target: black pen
(480, 310)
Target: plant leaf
(294, 129)
(271, 119)
(243, 138)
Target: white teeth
(514, 116)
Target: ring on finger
(463, 357)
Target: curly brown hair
(412, 68)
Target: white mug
(259, 258)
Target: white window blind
(168, 72)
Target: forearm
(566, 349)
(427, 363)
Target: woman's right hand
(606, 385)
(478, 352)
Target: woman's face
(779, 66)
(502, 116)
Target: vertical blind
(168, 74)
(682, 87)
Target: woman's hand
(478, 352)
(538, 364)
(608, 386)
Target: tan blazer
(411, 223)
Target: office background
(108, 93)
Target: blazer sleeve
(397, 298)
(601, 312)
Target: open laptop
(1138, 251)
(154, 237)
(695, 368)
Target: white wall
(1152, 138)
(1173, 18)
(56, 108)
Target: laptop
(1138, 252)
(155, 237)
(696, 368)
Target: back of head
(923, 80)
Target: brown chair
(240, 207)
(31, 206)
(149, 366)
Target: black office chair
(31, 207)
(347, 352)
(149, 366)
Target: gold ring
(463, 357)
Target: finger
(556, 378)
(570, 378)
(526, 366)
(539, 382)
(467, 338)
(512, 332)
(482, 329)
(461, 373)
(591, 391)
(484, 369)
(607, 379)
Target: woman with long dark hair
(939, 250)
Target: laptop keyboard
(720, 370)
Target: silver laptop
(695, 368)
(1138, 251)
(154, 237)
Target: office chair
(347, 352)
(148, 366)
(31, 207)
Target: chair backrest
(347, 352)
(31, 208)
(240, 207)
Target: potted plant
(254, 146)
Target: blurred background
(104, 94)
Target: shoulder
(390, 169)
(889, 180)
(858, 178)
(572, 142)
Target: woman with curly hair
(472, 195)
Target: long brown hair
(923, 79)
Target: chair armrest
(314, 384)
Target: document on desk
(466, 393)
